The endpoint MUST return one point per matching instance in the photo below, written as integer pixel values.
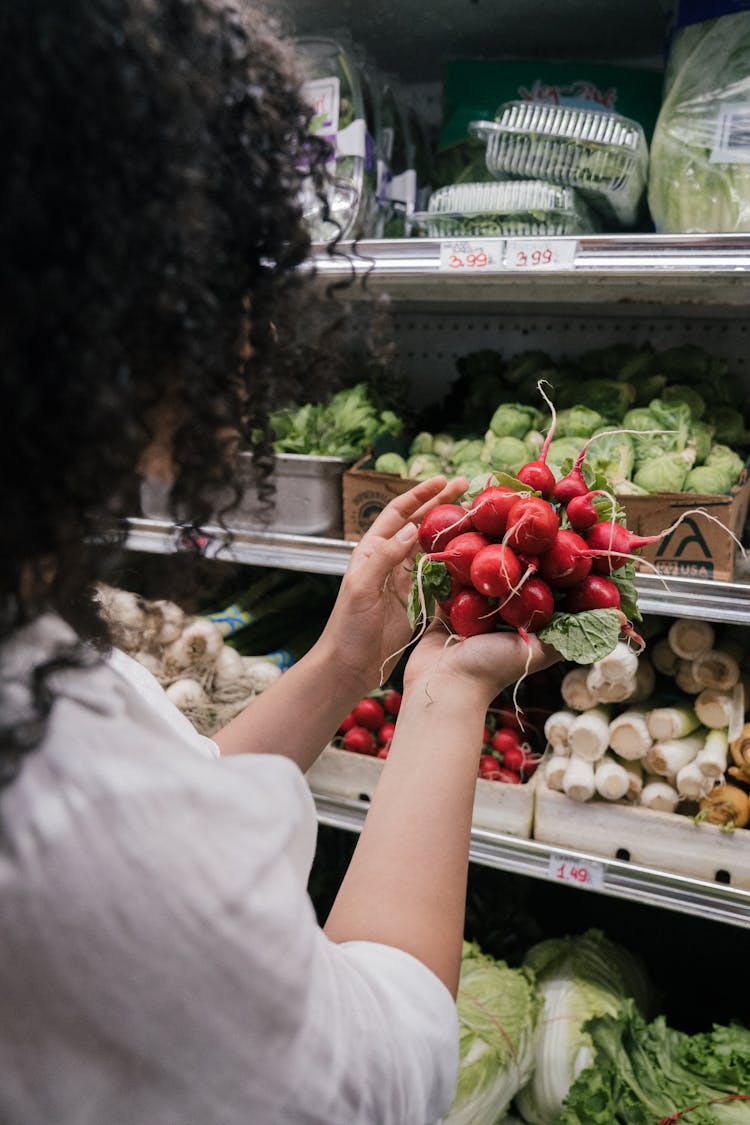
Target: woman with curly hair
(160, 960)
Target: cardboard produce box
(698, 548)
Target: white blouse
(160, 960)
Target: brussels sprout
(709, 480)
(466, 449)
(666, 473)
(699, 438)
(504, 454)
(472, 469)
(423, 465)
(678, 392)
(609, 396)
(561, 450)
(729, 427)
(578, 421)
(511, 419)
(442, 445)
(723, 458)
(391, 463)
(612, 456)
(422, 443)
(534, 440)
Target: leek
(588, 736)
(716, 669)
(660, 795)
(668, 757)
(688, 639)
(579, 781)
(574, 692)
(712, 759)
(714, 708)
(671, 722)
(611, 779)
(557, 727)
(629, 735)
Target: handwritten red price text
(529, 259)
(474, 261)
(568, 872)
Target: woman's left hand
(368, 627)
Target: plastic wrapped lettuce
(699, 179)
(578, 977)
(498, 1010)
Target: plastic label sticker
(352, 141)
(732, 140)
(587, 873)
(462, 256)
(527, 255)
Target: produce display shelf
(709, 270)
(615, 878)
(672, 597)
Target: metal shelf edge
(530, 857)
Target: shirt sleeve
(180, 943)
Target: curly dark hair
(153, 156)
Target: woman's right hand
(487, 663)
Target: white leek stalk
(579, 781)
(692, 783)
(619, 666)
(685, 679)
(574, 691)
(611, 779)
(634, 771)
(659, 794)
(716, 669)
(644, 681)
(663, 657)
(712, 759)
(554, 771)
(629, 735)
(667, 758)
(671, 722)
(714, 708)
(689, 638)
(557, 726)
(608, 691)
(588, 736)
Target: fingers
(414, 504)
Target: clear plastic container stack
(513, 208)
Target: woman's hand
(486, 664)
(368, 627)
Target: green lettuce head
(504, 454)
(511, 419)
(667, 473)
(498, 1009)
(578, 421)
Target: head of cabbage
(498, 1009)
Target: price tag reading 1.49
(585, 873)
(472, 257)
(527, 255)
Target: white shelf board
(715, 901)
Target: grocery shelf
(616, 878)
(705, 270)
(667, 596)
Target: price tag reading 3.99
(585, 873)
(472, 257)
(526, 255)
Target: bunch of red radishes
(369, 726)
(506, 754)
(526, 549)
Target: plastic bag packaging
(699, 180)
(336, 91)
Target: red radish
(610, 545)
(495, 571)
(456, 589)
(369, 713)
(510, 777)
(486, 736)
(531, 608)
(538, 476)
(488, 762)
(566, 562)
(392, 701)
(582, 511)
(509, 719)
(360, 740)
(532, 525)
(489, 510)
(347, 723)
(441, 524)
(472, 614)
(506, 739)
(459, 553)
(514, 757)
(383, 751)
(386, 732)
(595, 592)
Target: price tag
(475, 257)
(527, 255)
(580, 872)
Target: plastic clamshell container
(308, 497)
(603, 155)
(511, 208)
(647, 837)
(335, 89)
(498, 806)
